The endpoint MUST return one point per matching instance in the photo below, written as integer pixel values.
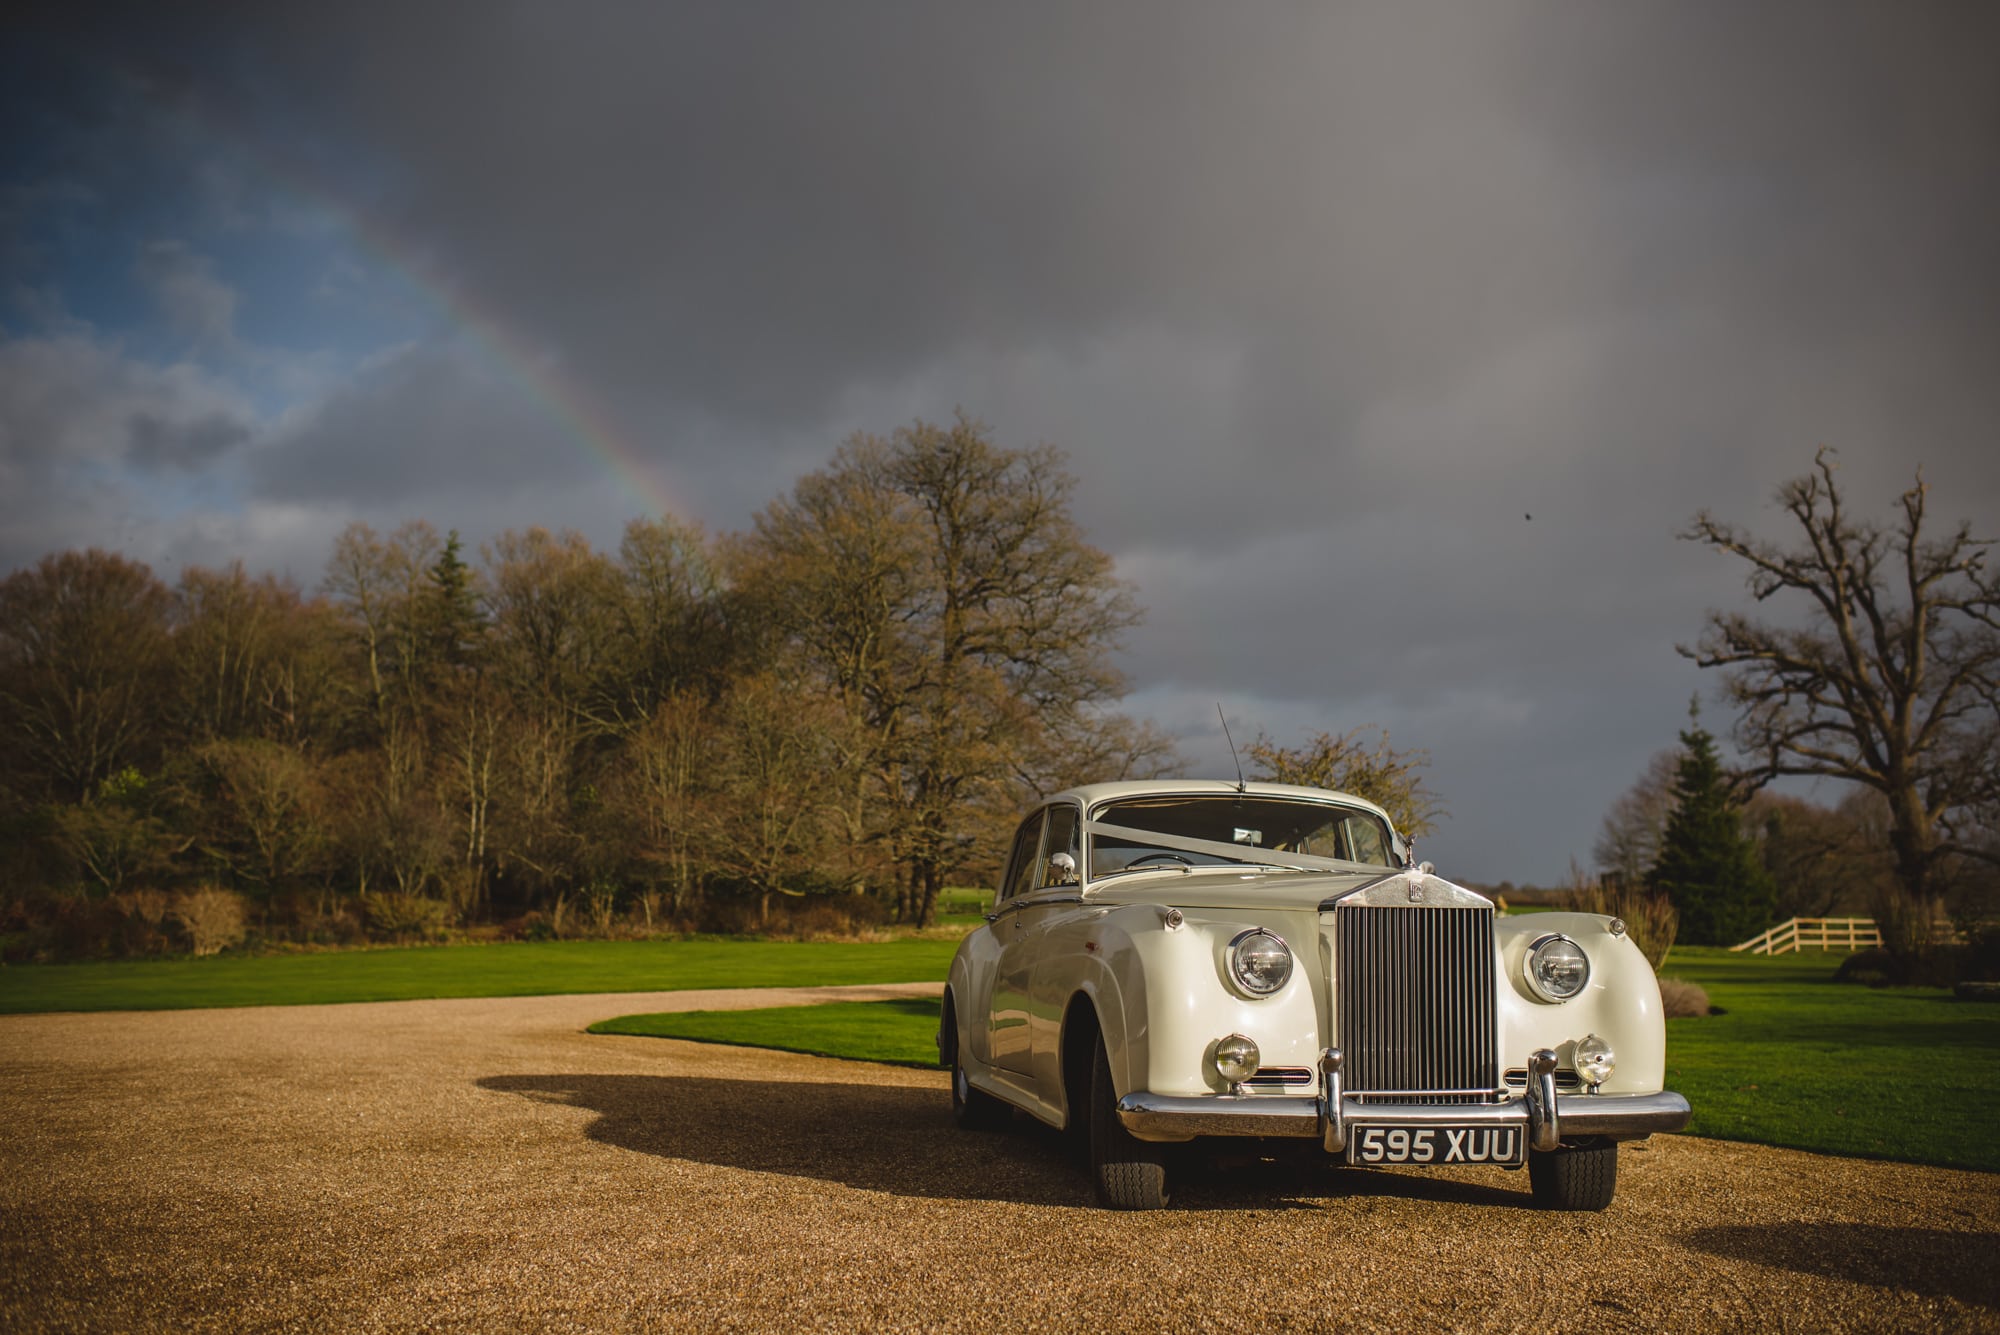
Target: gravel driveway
(486, 1165)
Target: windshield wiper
(1189, 869)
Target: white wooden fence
(1819, 933)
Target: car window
(1062, 838)
(1236, 829)
(1021, 866)
(1368, 842)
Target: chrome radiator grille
(1415, 1002)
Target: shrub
(148, 914)
(213, 919)
(1681, 999)
(401, 917)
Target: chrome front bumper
(1548, 1118)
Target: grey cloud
(196, 302)
(76, 399)
(72, 409)
(158, 442)
(425, 426)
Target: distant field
(510, 970)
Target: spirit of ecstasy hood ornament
(1416, 873)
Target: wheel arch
(1081, 1031)
(947, 1034)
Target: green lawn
(1797, 1060)
(902, 1033)
(511, 970)
(1800, 1060)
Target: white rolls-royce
(1173, 961)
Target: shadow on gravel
(902, 1141)
(1934, 1262)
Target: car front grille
(1414, 998)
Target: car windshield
(1233, 829)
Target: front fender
(1620, 1003)
(970, 985)
(1162, 1002)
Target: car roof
(1091, 794)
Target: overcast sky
(1322, 301)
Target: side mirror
(1062, 869)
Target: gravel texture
(485, 1165)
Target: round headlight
(1594, 1060)
(1236, 1058)
(1260, 962)
(1557, 968)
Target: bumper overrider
(1548, 1119)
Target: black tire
(1582, 1178)
(1131, 1174)
(973, 1109)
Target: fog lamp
(1236, 1058)
(1594, 1060)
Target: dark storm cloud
(160, 442)
(1321, 302)
(419, 427)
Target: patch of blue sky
(318, 294)
(176, 496)
(101, 168)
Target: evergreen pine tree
(1707, 867)
(454, 613)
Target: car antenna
(1240, 785)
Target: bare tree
(673, 633)
(663, 794)
(1824, 860)
(940, 589)
(1891, 680)
(263, 812)
(1390, 778)
(1628, 843)
(83, 661)
(553, 638)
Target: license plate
(1438, 1145)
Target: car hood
(1293, 890)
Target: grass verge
(1797, 1059)
(514, 969)
(901, 1033)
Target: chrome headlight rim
(1537, 984)
(1251, 986)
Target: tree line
(845, 706)
(842, 703)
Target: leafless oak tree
(1891, 680)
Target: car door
(1049, 938)
(1008, 1044)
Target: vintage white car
(1169, 962)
